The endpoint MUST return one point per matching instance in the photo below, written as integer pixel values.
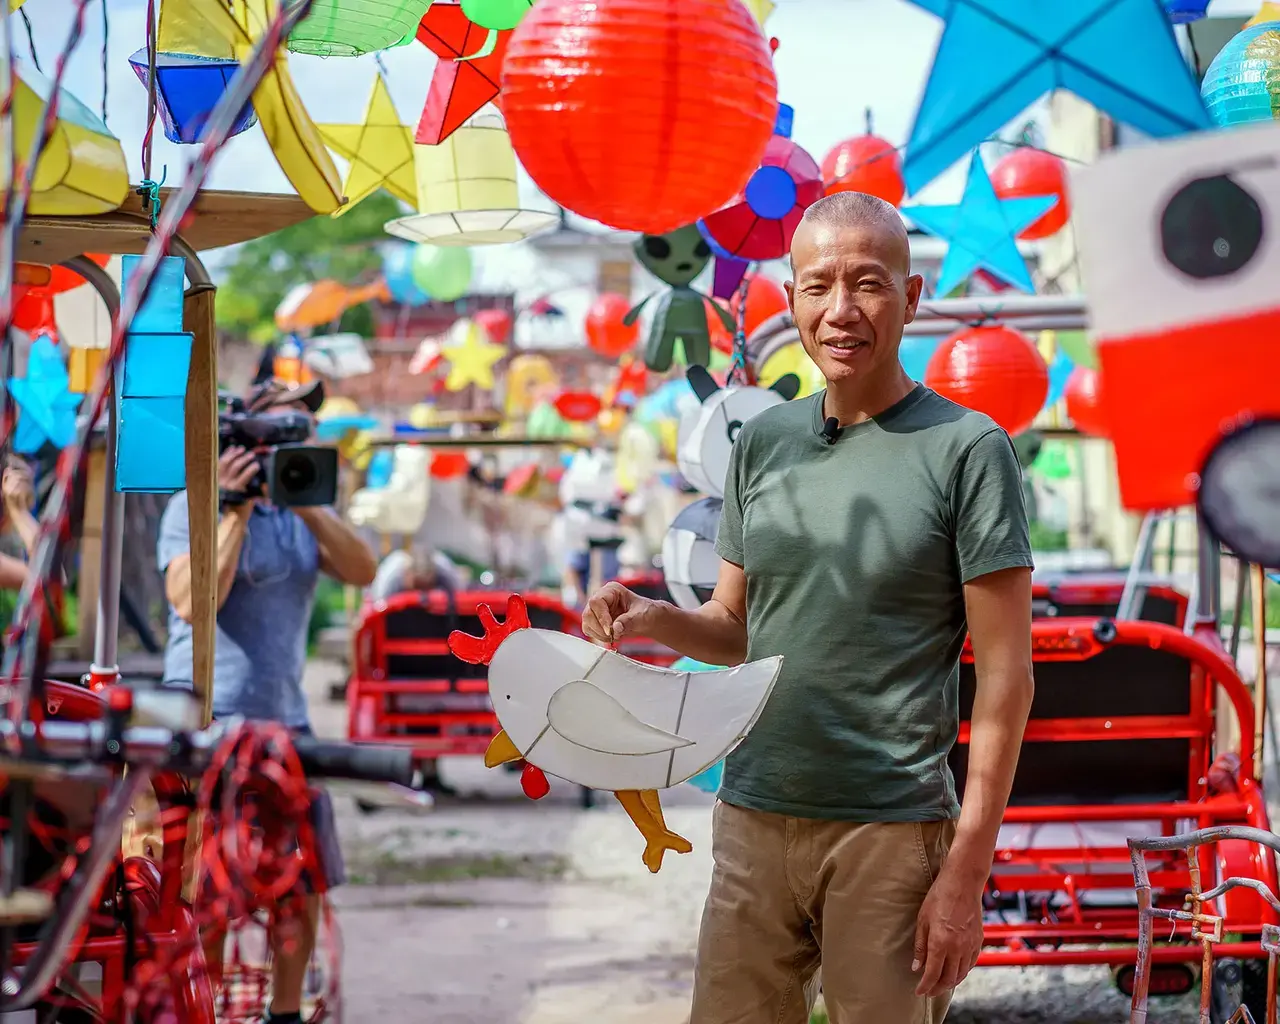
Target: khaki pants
(788, 894)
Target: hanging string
(106, 35)
(31, 39)
(148, 189)
(740, 369)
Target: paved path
(495, 910)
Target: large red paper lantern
(867, 164)
(1083, 395)
(606, 333)
(1032, 172)
(994, 370)
(641, 114)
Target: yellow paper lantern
(82, 170)
(379, 152)
(1268, 12)
(182, 29)
(468, 192)
(528, 378)
(293, 137)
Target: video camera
(290, 472)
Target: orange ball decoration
(993, 370)
(643, 115)
(867, 164)
(765, 298)
(606, 333)
(1030, 172)
(1083, 395)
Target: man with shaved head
(865, 529)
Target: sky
(836, 59)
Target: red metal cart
(1121, 745)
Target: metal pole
(1003, 307)
(931, 324)
(104, 670)
(1208, 578)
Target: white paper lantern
(690, 565)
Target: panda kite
(690, 564)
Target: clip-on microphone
(830, 430)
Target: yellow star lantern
(293, 137)
(471, 357)
(1268, 12)
(379, 152)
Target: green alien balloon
(676, 259)
(498, 15)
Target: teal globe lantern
(1242, 85)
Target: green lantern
(349, 28)
(498, 15)
(443, 272)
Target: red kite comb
(478, 650)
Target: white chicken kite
(593, 717)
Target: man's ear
(915, 285)
(790, 288)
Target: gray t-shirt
(261, 645)
(856, 555)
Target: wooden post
(202, 520)
(202, 486)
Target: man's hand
(614, 610)
(236, 469)
(948, 932)
(17, 487)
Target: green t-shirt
(856, 554)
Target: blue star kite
(998, 57)
(48, 408)
(982, 230)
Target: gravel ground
(491, 908)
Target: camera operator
(18, 492)
(269, 559)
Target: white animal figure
(690, 564)
(704, 443)
(591, 716)
(400, 506)
(591, 511)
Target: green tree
(263, 271)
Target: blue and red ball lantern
(760, 222)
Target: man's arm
(13, 573)
(343, 555)
(177, 577)
(998, 607)
(716, 633)
(949, 933)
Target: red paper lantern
(63, 279)
(1083, 395)
(33, 313)
(641, 114)
(606, 333)
(721, 340)
(496, 324)
(765, 298)
(578, 406)
(994, 370)
(1031, 172)
(449, 465)
(867, 164)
